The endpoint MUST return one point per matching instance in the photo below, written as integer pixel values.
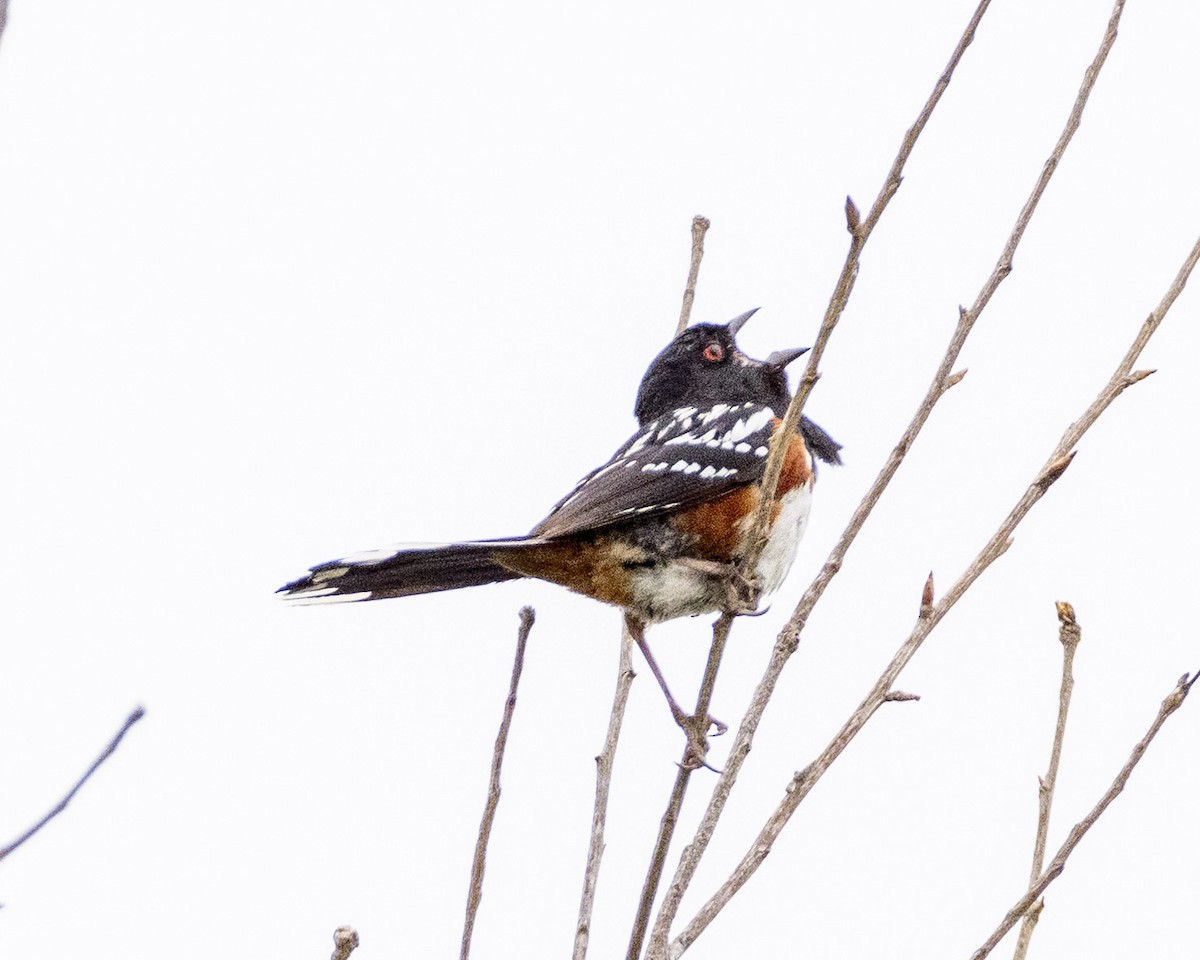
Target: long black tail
(405, 570)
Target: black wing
(678, 461)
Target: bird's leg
(695, 729)
(742, 590)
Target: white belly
(681, 588)
(780, 551)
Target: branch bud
(927, 597)
(853, 220)
(1055, 470)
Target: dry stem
(666, 826)
(475, 892)
(604, 769)
(345, 939)
(115, 742)
(625, 675)
(700, 227)
(860, 232)
(789, 637)
(1174, 700)
(1069, 635)
(1123, 377)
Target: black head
(703, 366)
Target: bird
(658, 529)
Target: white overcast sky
(281, 281)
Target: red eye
(714, 352)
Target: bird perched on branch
(660, 528)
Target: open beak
(781, 358)
(736, 324)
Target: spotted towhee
(659, 528)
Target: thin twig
(1069, 635)
(604, 772)
(700, 227)
(802, 783)
(670, 818)
(1174, 700)
(860, 232)
(345, 940)
(115, 742)
(475, 892)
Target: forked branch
(1069, 635)
(996, 546)
(1174, 700)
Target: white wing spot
(682, 438)
(725, 472)
(761, 451)
(679, 465)
(754, 423)
(713, 412)
(643, 439)
(692, 468)
(708, 473)
(742, 448)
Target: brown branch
(1069, 635)
(666, 826)
(700, 227)
(860, 232)
(1174, 700)
(944, 378)
(670, 818)
(115, 742)
(475, 891)
(803, 783)
(604, 771)
(345, 940)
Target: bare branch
(992, 550)
(1069, 634)
(1174, 700)
(789, 637)
(666, 826)
(115, 742)
(475, 892)
(860, 232)
(604, 771)
(700, 227)
(345, 940)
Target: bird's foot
(697, 732)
